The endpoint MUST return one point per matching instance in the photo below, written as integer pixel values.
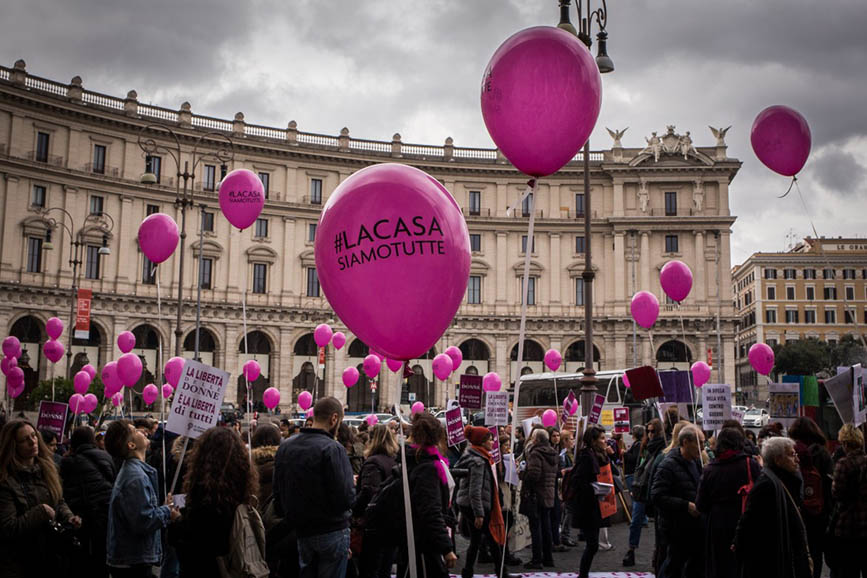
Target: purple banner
(495, 449)
(454, 426)
(470, 395)
(596, 409)
(675, 385)
(567, 404)
(52, 417)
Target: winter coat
(263, 458)
(770, 541)
(850, 491)
(586, 514)
(540, 477)
(200, 536)
(631, 458)
(375, 470)
(643, 475)
(476, 490)
(720, 505)
(675, 485)
(88, 476)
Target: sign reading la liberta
(198, 397)
(389, 239)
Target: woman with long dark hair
(585, 506)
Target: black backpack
(384, 512)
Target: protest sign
(738, 415)
(606, 419)
(197, 400)
(676, 386)
(717, 404)
(645, 383)
(859, 395)
(511, 470)
(495, 449)
(52, 417)
(470, 395)
(454, 426)
(621, 419)
(784, 402)
(608, 504)
(839, 389)
(496, 407)
(567, 404)
(528, 424)
(596, 408)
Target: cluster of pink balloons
(52, 348)
(83, 403)
(9, 366)
(676, 281)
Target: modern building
(815, 290)
(65, 147)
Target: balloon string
(789, 190)
(160, 373)
(531, 185)
(247, 354)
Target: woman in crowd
(88, 475)
(266, 440)
(354, 449)
(556, 438)
(586, 514)
(652, 443)
(567, 460)
(51, 442)
(537, 496)
(848, 528)
(31, 501)
(660, 547)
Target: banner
(676, 386)
(738, 415)
(197, 400)
(596, 408)
(840, 391)
(717, 404)
(785, 401)
(645, 383)
(496, 408)
(510, 475)
(52, 417)
(495, 449)
(567, 403)
(621, 420)
(608, 504)
(470, 395)
(82, 315)
(606, 418)
(454, 426)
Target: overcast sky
(414, 67)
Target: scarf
(497, 526)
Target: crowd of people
(329, 500)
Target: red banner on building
(321, 358)
(710, 356)
(82, 316)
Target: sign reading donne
(198, 398)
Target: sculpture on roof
(720, 134)
(617, 135)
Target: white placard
(784, 402)
(717, 405)
(738, 415)
(529, 423)
(511, 474)
(197, 399)
(496, 408)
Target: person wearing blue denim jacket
(135, 518)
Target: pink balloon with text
(242, 197)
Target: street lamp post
(586, 17)
(183, 197)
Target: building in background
(64, 146)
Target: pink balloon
(158, 237)
(173, 369)
(15, 391)
(54, 328)
(761, 357)
(7, 363)
(117, 399)
(573, 409)
(644, 308)
(417, 407)
(700, 373)
(91, 371)
(541, 96)
(322, 334)
(626, 381)
(372, 420)
(167, 390)
(492, 382)
(350, 376)
(371, 366)
(90, 403)
(129, 369)
(11, 346)
(456, 356)
(393, 365)
(549, 418)
(338, 339)
(676, 280)
(76, 403)
(442, 366)
(553, 359)
(378, 355)
(271, 397)
(81, 382)
(15, 377)
(242, 197)
(392, 230)
(110, 378)
(126, 341)
(252, 370)
(309, 412)
(305, 399)
(53, 350)
(150, 393)
(781, 139)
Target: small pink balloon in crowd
(252, 370)
(700, 373)
(305, 399)
(492, 382)
(553, 359)
(16, 390)
(173, 369)
(126, 341)
(76, 403)
(644, 308)
(53, 350)
(15, 377)
(11, 346)
(242, 197)
(322, 334)
(781, 139)
(81, 382)
(158, 237)
(309, 412)
(117, 399)
(150, 393)
(378, 355)
(442, 366)
(7, 363)
(168, 390)
(456, 355)
(338, 340)
(371, 419)
(573, 409)
(90, 403)
(626, 381)
(350, 376)
(417, 407)
(371, 366)
(549, 418)
(110, 378)
(393, 365)
(271, 397)
(91, 371)
(129, 369)
(54, 328)
(676, 280)
(761, 357)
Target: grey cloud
(840, 172)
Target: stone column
(645, 263)
(555, 276)
(502, 265)
(620, 353)
(700, 276)
(6, 236)
(619, 204)
(290, 261)
(281, 375)
(620, 274)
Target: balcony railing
(107, 171)
(54, 160)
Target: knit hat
(476, 434)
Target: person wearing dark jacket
(771, 540)
(537, 496)
(848, 530)
(632, 456)
(675, 485)
(720, 503)
(313, 491)
(88, 475)
(652, 443)
(585, 504)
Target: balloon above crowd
(761, 357)
(676, 280)
(644, 308)
(242, 197)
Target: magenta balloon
(322, 334)
(110, 378)
(553, 359)
(371, 366)
(492, 382)
(781, 139)
(393, 365)
(252, 370)
(117, 399)
(372, 420)
(167, 390)
(15, 376)
(150, 393)
(626, 381)
(126, 341)
(90, 403)
(644, 308)
(81, 382)
(129, 369)
(54, 328)
(700, 373)
(442, 366)
(305, 399)
(541, 96)
(11, 346)
(309, 412)
(417, 407)
(338, 340)
(173, 369)
(549, 418)
(158, 237)
(350, 376)
(761, 357)
(7, 363)
(242, 197)
(53, 350)
(15, 391)
(76, 403)
(676, 280)
(456, 356)
(392, 230)
(91, 371)
(271, 397)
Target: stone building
(64, 147)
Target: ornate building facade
(62, 146)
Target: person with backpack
(651, 445)
(848, 528)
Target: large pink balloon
(54, 328)
(549, 418)
(305, 399)
(129, 369)
(167, 390)
(338, 339)
(125, 341)
(393, 256)
(553, 359)
(15, 377)
(173, 369)
(322, 334)
(350, 376)
(541, 96)
(7, 363)
(242, 197)
(110, 378)
(372, 420)
(16, 390)
(53, 350)
(700, 373)
(271, 397)
(456, 355)
(252, 370)
(150, 393)
(644, 308)
(393, 365)
(676, 280)
(11, 346)
(91, 371)
(90, 403)
(158, 237)
(76, 403)
(442, 366)
(417, 407)
(81, 382)
(761, 357)
(781, 139)
(371, 366)
(492, 382)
